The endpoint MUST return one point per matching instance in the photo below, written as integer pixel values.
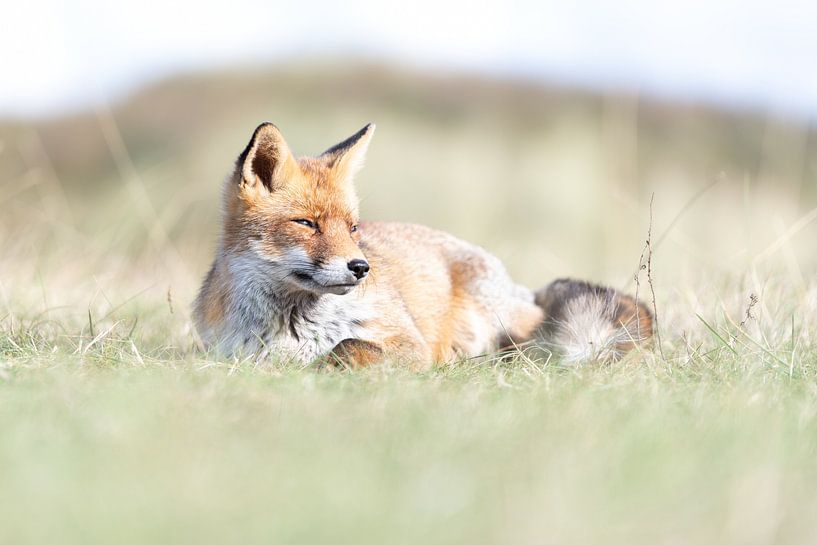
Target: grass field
(119, 442)
(116, 428)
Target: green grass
(134, 440)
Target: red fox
(297, 275)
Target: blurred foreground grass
(117, 429)
(111, 445)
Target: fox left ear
(266, 161)
(346, 158)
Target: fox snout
(338, 275)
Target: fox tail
(588, 322)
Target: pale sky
(55, 56)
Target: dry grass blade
(99, 337)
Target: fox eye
(307, 223)
(354, 228)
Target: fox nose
(358, 266)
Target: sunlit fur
(281, 285)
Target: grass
(127, 435)
(115, 428)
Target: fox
(298, 276)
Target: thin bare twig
(169, 300)
(645, 263)
(749, 316)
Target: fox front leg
(356, 353)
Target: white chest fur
(267, 320)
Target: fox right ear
(346, 158)
(266, 161)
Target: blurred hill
(555, 180)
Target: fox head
(299, 216)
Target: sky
(65, 55)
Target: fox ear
(266, 161)
(346, 158)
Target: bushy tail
(587, 322)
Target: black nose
(359, 267)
